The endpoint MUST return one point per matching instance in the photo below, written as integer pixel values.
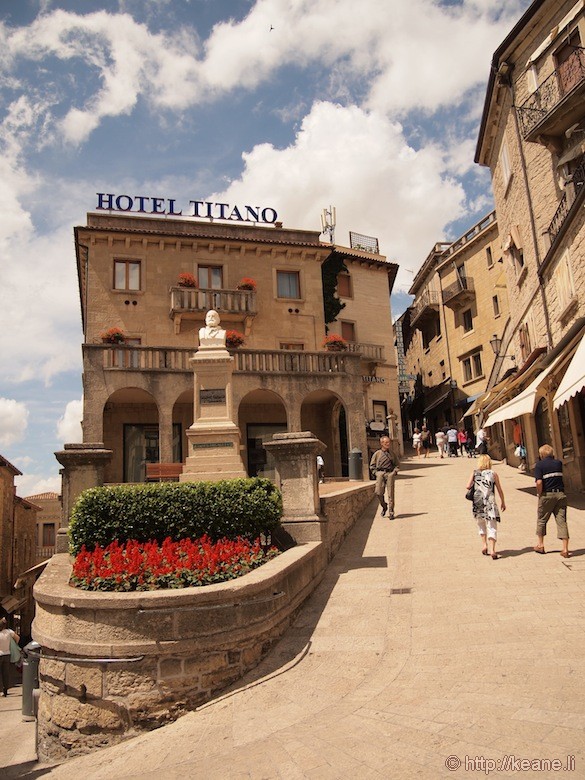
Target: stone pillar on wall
(83, 468)
(165, 433)
(295, 456)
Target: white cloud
(69, 425)
(401, 54)
(13, 421)
(359, 162)
(33, 484)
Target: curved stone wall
(193, 643)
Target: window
(525, 342)
(48, 534)
(127, 275)
(505, 164)
(564, 283)
(344, 286)
(496, 305)
(472, 367)
(291, 345)
(210, 277)
(467, 320)
(348, 330)
(288, 284)
(568, 62)
(489, 258)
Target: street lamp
(496, 345)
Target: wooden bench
(163, 472)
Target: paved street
(415, 650)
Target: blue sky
(296, 104)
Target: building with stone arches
(146, 284)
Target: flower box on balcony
(187, 280)
(113, 336)
(247, 284)
(234, 339)
(335, 343)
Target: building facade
(460, 304)
(18, 517)
(282, 290)
(48, 521)
(532, 137)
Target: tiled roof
(43, 497)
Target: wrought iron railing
(552, 90)
(137, 358)
(452, 290)
(569, 197)
(428, 298)
(190, 299)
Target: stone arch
(261, 413)
(323, 413)
(130, 426)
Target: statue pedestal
(214, 438)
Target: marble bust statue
(212, 336)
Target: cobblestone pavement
(416, 657)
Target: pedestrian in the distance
(6, 634)
(425, 438)
(417, 441)
(385, 467)
(485, 482)
(440, 439)
(552, 500)
(452, 439)
(462, 441)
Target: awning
(476, 405)
(574, 379)
(524, 402)
(11, 603)
(33, 571)
(437, 402)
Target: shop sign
(373, 379)
(202, 209)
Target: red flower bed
(152, 566)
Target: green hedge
(230, 508)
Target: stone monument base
(214, 453)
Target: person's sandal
(566, 554)
(539, 549)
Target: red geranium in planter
(113, 336)
(187, 280)
(335, 343)
(234, 339)
(247, 284)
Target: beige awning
(574, 379)
(11, 603)
(33, 571)
(524, 402)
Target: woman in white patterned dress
(485, 482)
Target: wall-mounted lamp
(496, 345)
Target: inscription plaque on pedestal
(212, 396)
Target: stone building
(532, 137)
(138, 393)
(48, 521)
(460, 303)
(17, 551)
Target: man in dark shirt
(385, 467)
(550, 490)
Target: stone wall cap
(52, 587)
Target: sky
(372, 107)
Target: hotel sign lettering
(203, 209)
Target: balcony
(114, 357)
(371, 352)
(570, 196)
(459, 294)
(424, 308)
(557, 104)
(189, 303)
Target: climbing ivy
(329, 271)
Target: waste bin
(355, 464)
(30, 678)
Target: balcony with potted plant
(190, 302)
